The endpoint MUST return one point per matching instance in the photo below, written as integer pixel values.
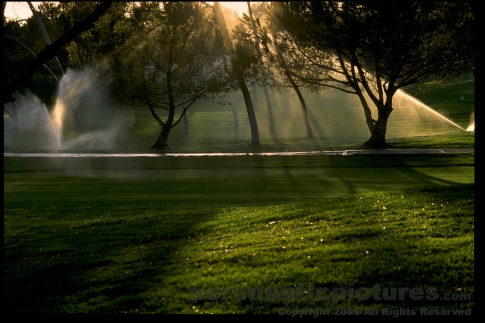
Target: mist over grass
(52, 128)
(337, 121)
(336, 118)
(37, 129)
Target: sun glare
(20, 10)
(238, 6)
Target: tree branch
(53, 50)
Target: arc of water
(48, 42)
(27, 48)
(413, 99)
(471, 126)
(44, 32)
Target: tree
(236, 67)
(252, 26)
(380, 47)
(170, 61)
(50, 51)
(281, 61)
(279, 57)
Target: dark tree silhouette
(53, 50)
(239, 74)
(171, 61)
(378, 47)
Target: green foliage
(401, 43)
(379, 47)
(175, 57)
(107, 36)
(245, 49)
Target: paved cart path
(282, 153)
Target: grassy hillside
(168, 235)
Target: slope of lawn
(141, 257)
(150, 235)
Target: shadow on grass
(101, 265)
(100, 247)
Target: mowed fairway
(140, 235)
(226, 180)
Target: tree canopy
(52, 50)
(378, 47)
(166, 55)
(174, 57)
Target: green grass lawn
(147, 235)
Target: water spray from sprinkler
(471, 126)
(48, 42)
(419, 103)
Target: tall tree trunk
(308, 127)
(167, 126)
(186, 121)
(367, 113)
(270, 109)
(378, 129)
(265, 88)
(162, 140)
(48, 42)
(235, 64)
(233, 109)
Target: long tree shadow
(95, 249)
(99, 266)
(401, 166)
(100, 254)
